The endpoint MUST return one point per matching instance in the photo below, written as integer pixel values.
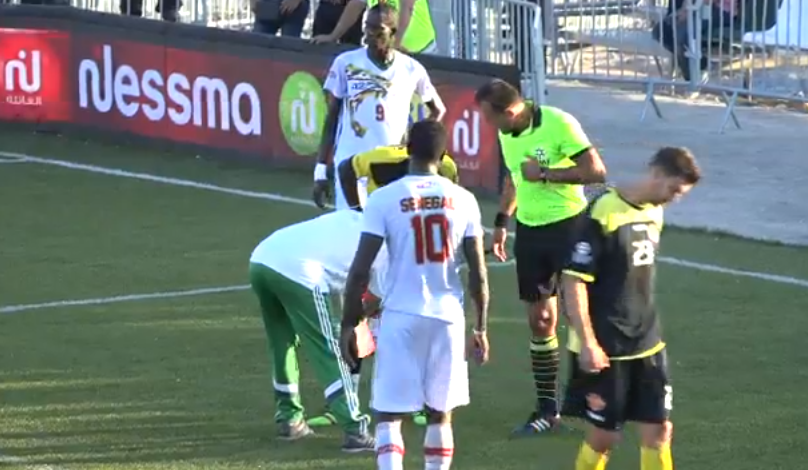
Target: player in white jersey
(369, 91)
(295, 273)
(427, 224)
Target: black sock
(545, 360)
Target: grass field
(184, 382)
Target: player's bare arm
(507, 206)
(320, 191)
(406, 8)
(576, 302)
(353, 10)
(348, 182)
(356, 285)
(478, 288)
(436, 109)
(589, 169)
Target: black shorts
(574, 401)
(541, 253)
(326, 18)
(636, 390)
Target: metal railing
(502, 32)
(731, 49)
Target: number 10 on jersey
(432, 244)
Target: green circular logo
(302, 111)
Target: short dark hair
(499, 94)
(677, 162)
(427, 142)
(387, 12)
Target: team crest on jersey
(541, 156)
(582, 254)
(425, 184)
(363, 84)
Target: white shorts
(339, 197)
(419, 361)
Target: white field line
(123, 298)
(25, 463)
(780, 279)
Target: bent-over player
(609, 297)
(369, 91)
(295, 272)
(427, 223)
(382, 166)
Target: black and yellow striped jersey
(383, 165)
(615, 254)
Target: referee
(550, 159)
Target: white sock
(438, 447)
(389, 446)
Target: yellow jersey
(383, 165)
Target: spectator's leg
(169, 9)
(680, 46)
(292, 23)
(324, 18)
(132, 7)
(266, 27)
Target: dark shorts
(541, 253)
(574, 401)
(637, 390)
(326, 18)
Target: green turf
(184, 383)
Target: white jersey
(423, 220)
(376, 102)
(319, 252)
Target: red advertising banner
(252, 101)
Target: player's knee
(542, 318)
(438, 417)
(602, 440)
(656, 435)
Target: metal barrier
(732, 49)
(502, 32)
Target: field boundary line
(124, 298)
(776, 278)
(6, 459)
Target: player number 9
(379, 112)
(427, 247)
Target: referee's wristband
(501, 220)
(320, 172)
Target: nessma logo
(201, 101)
(466, 133)
(23, 78)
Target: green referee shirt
(555, 138)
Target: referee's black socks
(545, 360)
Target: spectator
(673, 35)
(326, 18)
(415, 33)
(286, 16)
(169, 9)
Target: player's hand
(498, 247)
(323, 39)
(593, 358)
(348, 346)
(321, 193)
(532, 170)
(478, 348)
